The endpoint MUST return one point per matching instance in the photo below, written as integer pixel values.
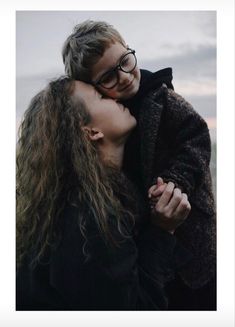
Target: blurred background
(183, 40)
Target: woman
(83, 239)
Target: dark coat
(90, 275)
(172, 141)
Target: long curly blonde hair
(58, 164)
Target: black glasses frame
(115, 69)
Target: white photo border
(224, 316)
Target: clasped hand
(169, 206)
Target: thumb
(159, 181)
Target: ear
(94, 133)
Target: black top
(128, 277)
(148, 81)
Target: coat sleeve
(189, 141)
(127, 277)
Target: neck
(112, 153)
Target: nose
(123, 77)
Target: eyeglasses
(126, 64)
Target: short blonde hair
(86, 45)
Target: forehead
(83, 91)
(114, 48)
(109, 59)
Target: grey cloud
(204, 105)
(207, 23)
(196, 63)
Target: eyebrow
(112, 67)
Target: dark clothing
(172, 141)
(181, 297)
(88, 274)
(132, 159)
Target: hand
(171, 209)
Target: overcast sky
(183, 40)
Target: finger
(160, 181)
(166, 196)
(155, 187)
(183, 208)
(158, 191)
(151, 190)
(174, 201)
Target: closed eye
(99, 95)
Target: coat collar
(149, 120)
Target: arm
(189, 142)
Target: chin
(131, 92)
(133, 122)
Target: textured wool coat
(172, 141)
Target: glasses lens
(127, 65)
(109, 79)
(128, 62)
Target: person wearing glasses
(83, 242)
(170, 144)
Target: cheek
(112, 93)
(136, 73)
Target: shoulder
(176, 103)
(171, 100)
(175, 108)
(175, 98)
(163, 92)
